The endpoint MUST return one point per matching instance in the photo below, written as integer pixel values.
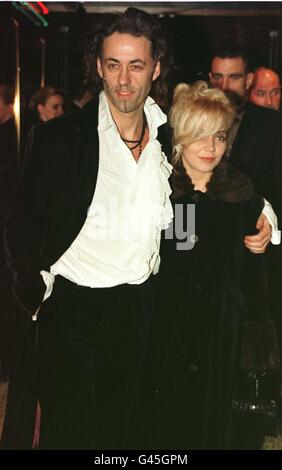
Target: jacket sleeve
(275, 179)
(259, 340)
(26, 224)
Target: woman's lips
(207, 159)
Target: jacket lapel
(86, 161)
(247, 151)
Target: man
(230, 72)
(94, 236)
(266, 89)
(89, 240)
(255, 139)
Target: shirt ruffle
(154, 180)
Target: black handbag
(255, 406)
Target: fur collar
(227, 184)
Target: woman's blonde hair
(197, 112)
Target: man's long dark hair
(137, 23)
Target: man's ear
(210, 76)
(157, 71)
(99, 67)
(249, 80)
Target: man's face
(230, 75)
(6, 111)
(127, 70)
(267, 90)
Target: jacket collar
(227, 184)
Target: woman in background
(48, 102)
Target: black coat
(207, 292)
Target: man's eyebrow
(133, 61)
(241, 74)
(112, 59)
(139, 61)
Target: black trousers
(92, 353)
(11, 324)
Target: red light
(43, 8)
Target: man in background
(266, 89)
(254, 142)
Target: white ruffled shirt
(120, 239)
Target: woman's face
(203, 155)
(53, 107)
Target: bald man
(266, 89)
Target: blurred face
(127, 70)
(6, 111)
(53, 107)
(230, 75)
(266, 91)
(202, 156)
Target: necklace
(138, 143)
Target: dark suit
(87, 337)
(257, 152)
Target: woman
(48, 102)
(210, 282)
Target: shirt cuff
(48, 279)
(272, 219)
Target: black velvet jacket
(54, 192)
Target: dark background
(194, 30)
